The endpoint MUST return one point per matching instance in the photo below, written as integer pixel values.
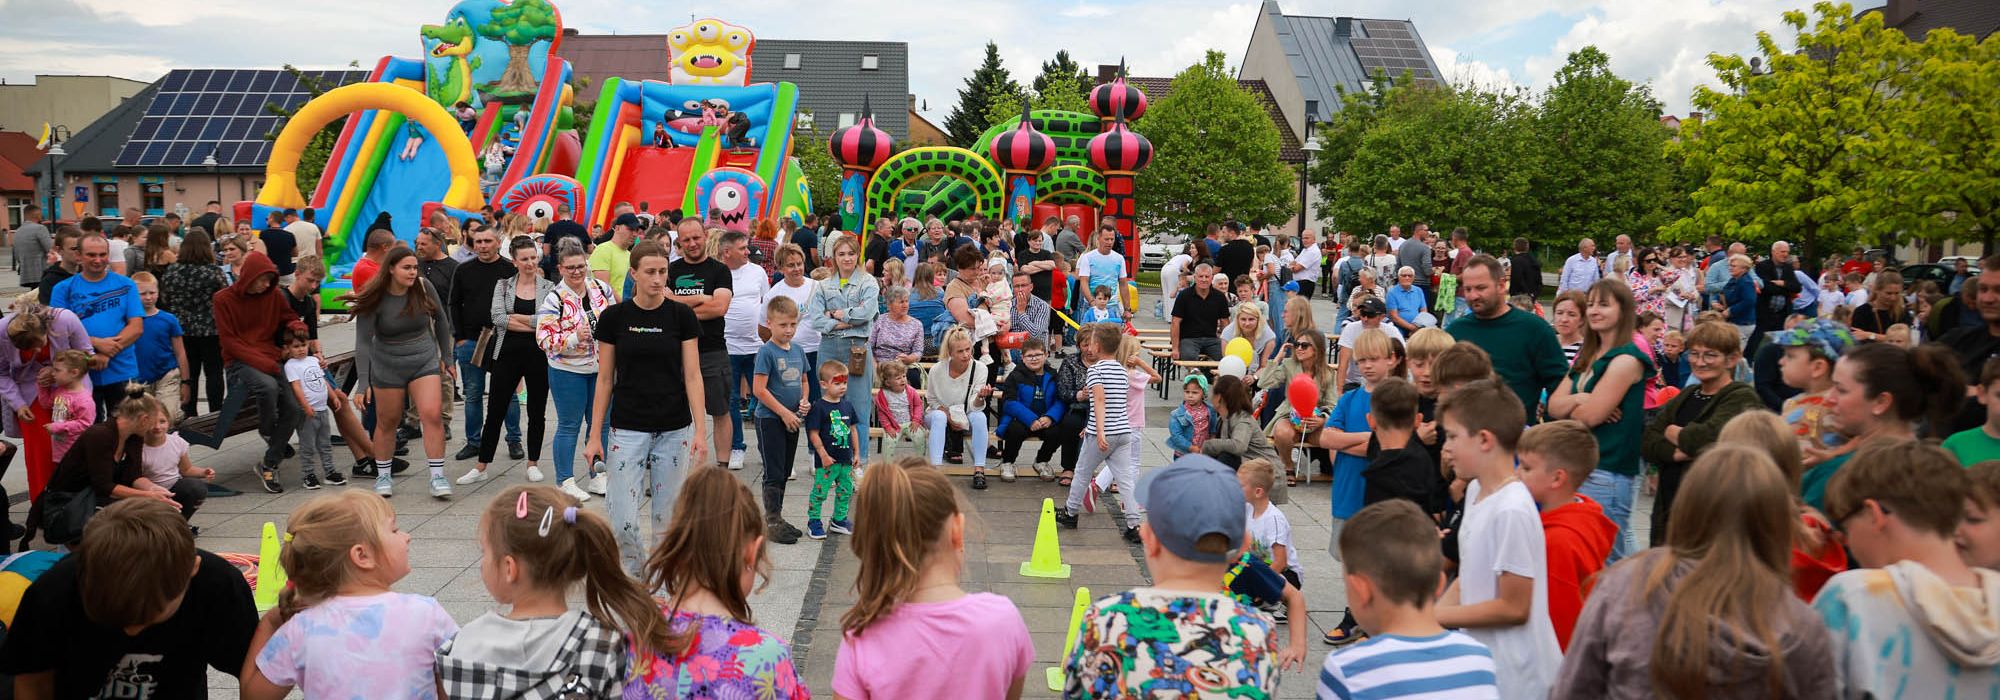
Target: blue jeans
(741, 369)
(475, 398)
(573, 394)
(1616, 493)
(635, 460)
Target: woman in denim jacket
(843, 310)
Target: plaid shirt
(592, 664)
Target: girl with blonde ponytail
(913, 629)
(338, 631)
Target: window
(791, 61)
(846, 119)
(107, 198)
(871, 62)
(17, 210)
(153, 194)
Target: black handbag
(64, 513)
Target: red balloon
(1303, 393)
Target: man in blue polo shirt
(108, 304)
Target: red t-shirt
(364, 270)
(1578, 538)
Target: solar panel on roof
(198, 112)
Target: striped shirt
(1447, 665)
(1117, 389)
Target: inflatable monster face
(730, 197)
(709, 52)
(540, 196)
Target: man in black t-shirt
(135, 612)
(702, 283)
(877, 251)
(1039, 262)
(563, 227)
(1199, 313)
(280, 245)
(1238, 255)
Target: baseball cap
(1196, 497)
(1372, 306)
(629, 220)
(1823, 337)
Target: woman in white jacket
(958, 389)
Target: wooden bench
(210, 429)
(876, 436)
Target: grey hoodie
(1610, 652)
(1901, 631)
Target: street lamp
(208, 161)
(1305, 171)
(57, 135)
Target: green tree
(520, 23)
(1215, 155)
(813, 149)
(1602, 164)
(1945, 182)
(1063, 73)
(1790, 153)
(312, 161)
(1340, 135)
(986, 84)
(1454, 156)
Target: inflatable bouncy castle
(420, 131)
(705, 141)
(1044, 163)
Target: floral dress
(725, 659)
(1643, 287)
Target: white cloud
(1662, 42)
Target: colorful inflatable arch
(956, 165)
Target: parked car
(1153, 256)
(1939, 272)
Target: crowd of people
(1823, 455)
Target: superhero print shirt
(1149, 642)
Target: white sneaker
(535, 474)
(736, 460)
(1043, 471)
(471, 477)
(383, 487)
(1007, 472)
(569, 487)
(596, 484)
(440, 488)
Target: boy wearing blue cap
(1156, 641)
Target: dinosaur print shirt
(834, 422)
(1149, 642)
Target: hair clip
(548, 518)
(521, 506)
(569, 515)
(288, 538)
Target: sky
(1498, 42)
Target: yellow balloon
(1240, 348)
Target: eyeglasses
(1706, 356)
(1033, 355)
(1304, 345)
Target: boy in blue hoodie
(1032, 409)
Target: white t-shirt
(162, 463)
(1502, 533)
(1269, 529)
(1857, 298)
(808, 337)
(118, 247)
(1352, 330)
(1308, 261)
(1385, 268)
(309, 238)
(1170, 275)
(1102, 269)
(1396, 244)
(747, 285)
(311, 377)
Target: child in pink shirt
(69, 403)
(915, 631)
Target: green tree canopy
(1944, 179)
(822, 171)
(1452, 156)
(1790, 153)
(987, 83)
(521, 22)
(1215, 156)
(1603, 169)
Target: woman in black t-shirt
(1885, 308)
(648, 353)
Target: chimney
(1343, 27)
(1106, 72)
(572, 31)
(1898, 12)
(1694, 116)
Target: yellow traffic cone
(1046, 561)
(1070, 635)
(270, 573)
